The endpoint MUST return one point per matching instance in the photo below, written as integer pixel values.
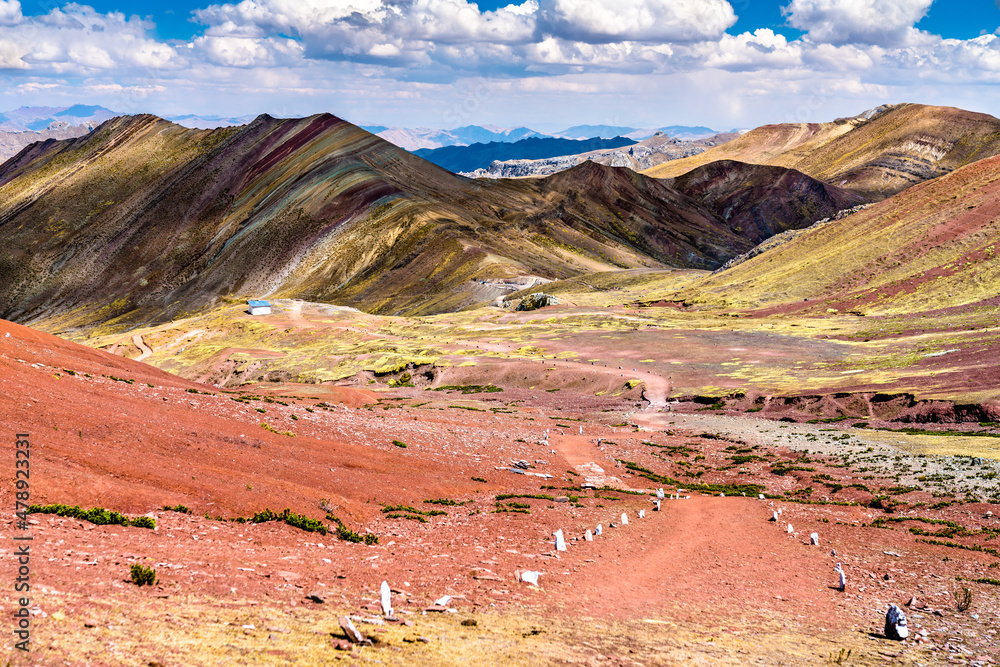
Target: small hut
(259, 307)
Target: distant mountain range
(414, 139)
(83, 117)
(35, 119)
(26, 125)
(209, 122)
(480, 156)
(685, 132)
(638, 156)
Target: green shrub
(299, 521)
(95, 515)
(537, 496)
(142, 575)
(304, 523)
(177, 508)
(264, 516)
(144, 522)
(348, 535)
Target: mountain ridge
(144, 220)
(876, 154)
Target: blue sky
(963, 19)
(543, 63)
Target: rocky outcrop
(536, 301)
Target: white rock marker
(443, 601)
(529, 577)
(581, 430)
(895, 624)
(560, 540)
(774, 516)
(790, 530)
(657, 508)
(352, 632)
(386, 600)
(659, 494)
(814, 539)
(761, 496)
(598, 531)
(642, 514)
(588, 536)
(624, 519)
(842, 583)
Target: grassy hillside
(931, 247)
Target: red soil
(133, 448)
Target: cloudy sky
(547, 64)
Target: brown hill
(876, 154)
(757, 201)
(143, 220)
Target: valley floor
(462, 443)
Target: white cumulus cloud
(10, 12)
(762, 48)
(78, 39)
(605, 21)
(881, 22)
(238, 51)
(10, 55)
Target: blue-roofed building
(259, 307)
